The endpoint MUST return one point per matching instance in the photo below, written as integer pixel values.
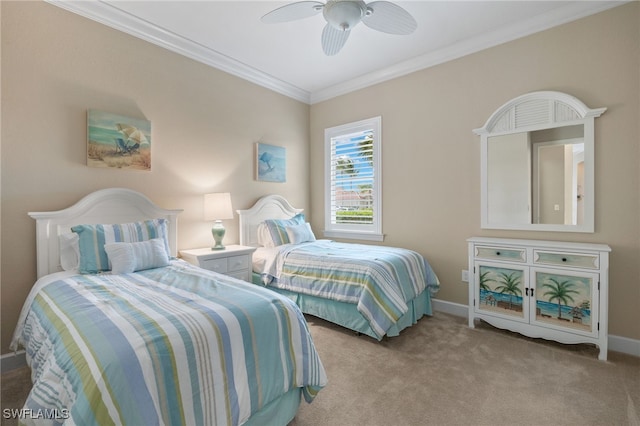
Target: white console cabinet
(547, 289)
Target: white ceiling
(288, 57)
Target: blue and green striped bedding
(380, 280)
(177, 345)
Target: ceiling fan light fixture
(344, 15)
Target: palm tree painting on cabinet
(564, 300)
(501, 290)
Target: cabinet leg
(602, 356)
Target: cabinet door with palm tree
(566, 300)
(500, 290)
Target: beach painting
(118, 142)
(561, 300)
(564, 300)
(501, 290)
(271, 163)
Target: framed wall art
(119, 142)
(271, 163)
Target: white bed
(112, 205)
(182, 372)
(345, 311)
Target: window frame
(371, 232)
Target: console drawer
(501, 253)
(576, 260)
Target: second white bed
(374, 290)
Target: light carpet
(440, 372)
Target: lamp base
(218, 232)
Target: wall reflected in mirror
(536, 177)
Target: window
(352, 180)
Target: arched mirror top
(537, 110)
(537, 164)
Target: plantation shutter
(352, 178)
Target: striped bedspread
(380, 280)
(173, 345)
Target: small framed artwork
(119, 142)
(271, 163)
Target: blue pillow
(278, 228)
(92, 238)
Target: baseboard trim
(616, 343)
(624, 345)
(450, 308)
(12, 360)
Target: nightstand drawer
(216, 265)
(577, 260)
(236, 263)
(241, 275)
(501, 253)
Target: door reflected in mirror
(536, 177)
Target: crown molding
(571, 12)
(115, 18)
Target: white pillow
(130, 257)
(264, 236)
(69, 251)
(300, 233)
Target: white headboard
(113, 205)
(267, 207)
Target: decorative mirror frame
(538, 111)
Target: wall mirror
(537, 170)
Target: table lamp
(217, 207)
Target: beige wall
(431, 158)
(56, 65)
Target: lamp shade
(217, 206)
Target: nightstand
(234, 260)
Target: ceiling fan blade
(333, 39)
(389, 18)
(293, 11)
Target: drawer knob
(497, 253)
(564, 259)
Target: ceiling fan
(343, 15)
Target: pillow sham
(264, 237)
(277, 228)
(300, 233)
(131, 257)
(69, 251)
(92, 238)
